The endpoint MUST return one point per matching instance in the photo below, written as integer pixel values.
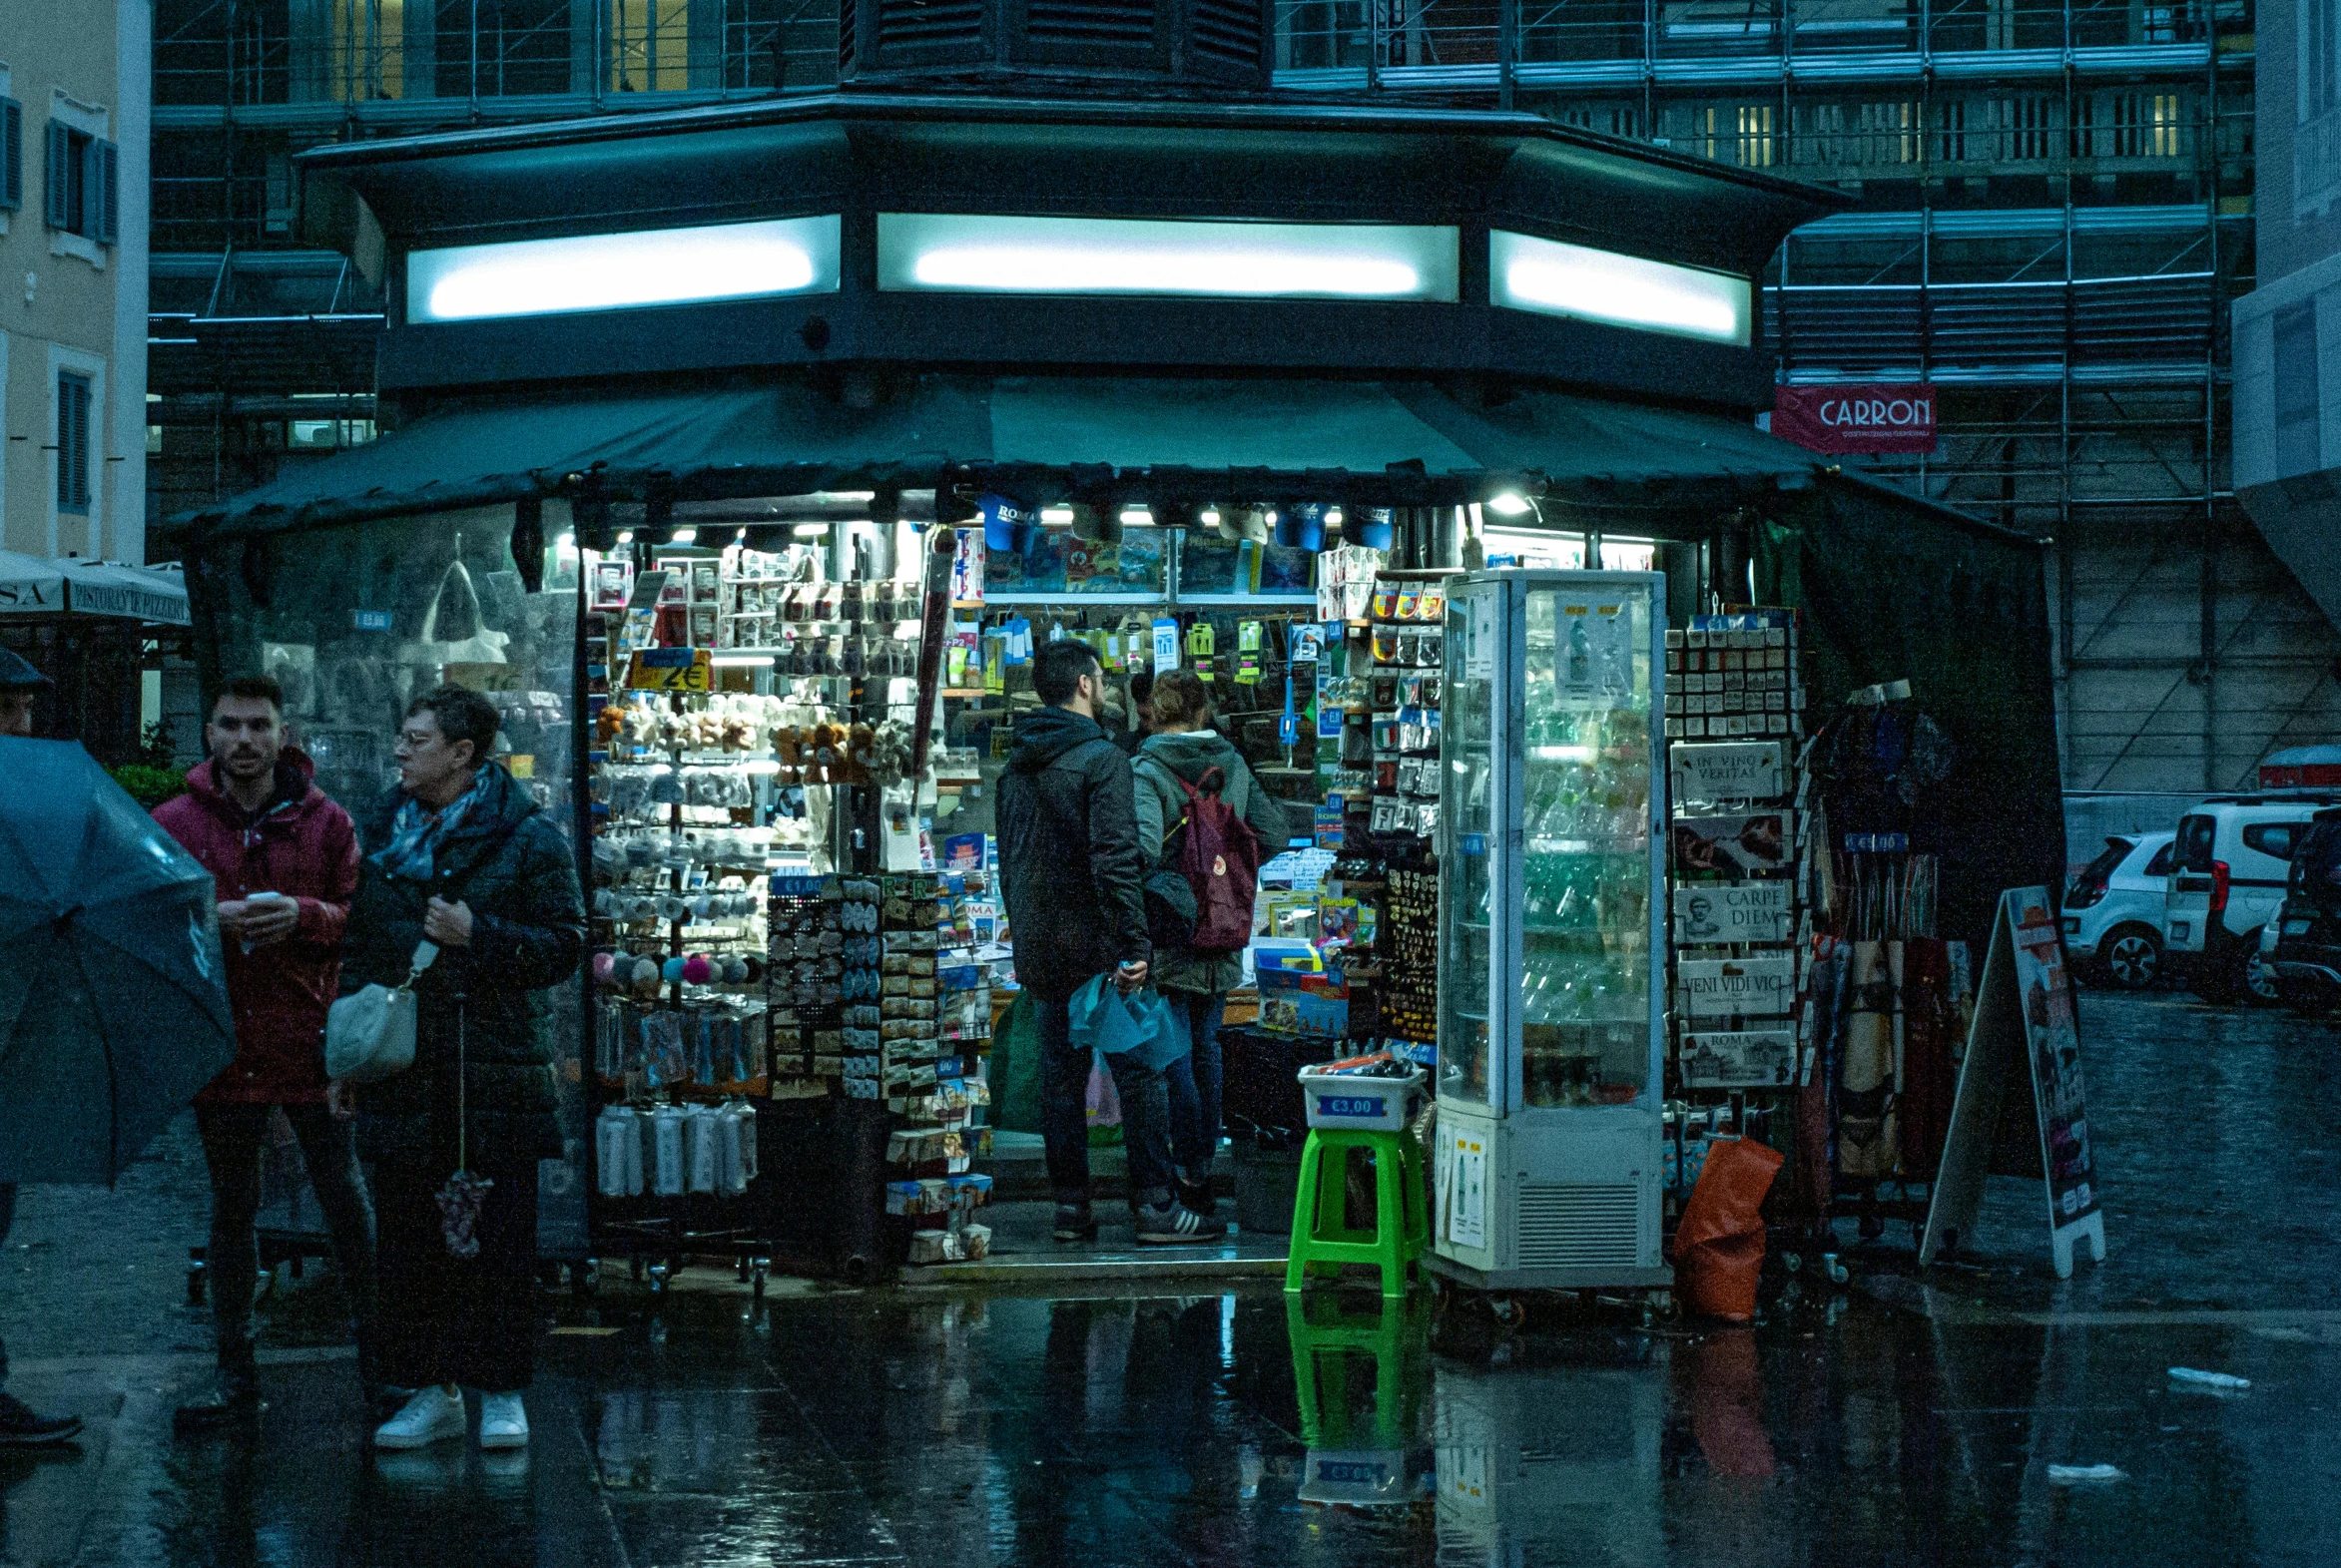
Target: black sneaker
(21, 1428)
(1196, 1198)
(1075, 1222)
(1175, 1224)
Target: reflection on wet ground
(1903, 1421)
(1239, 1428)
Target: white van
(2227, 870)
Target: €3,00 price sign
(669, 670)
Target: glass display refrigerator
(1551, 964)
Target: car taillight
(2085, 895)
(2219, 875)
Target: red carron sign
(1850, 419)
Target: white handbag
(369, 1034)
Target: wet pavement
(1103, 1422)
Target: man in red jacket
(284, 862)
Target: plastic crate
(1357, 1103)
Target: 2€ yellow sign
(670, 670)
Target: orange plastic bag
(1719, 1247)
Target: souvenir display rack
(732, 692)
(1739, 914)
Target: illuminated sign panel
(970, 253)
(1553, 279)
(759, 260)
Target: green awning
(1367, 442)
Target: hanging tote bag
(369, 1034)
(457, 602)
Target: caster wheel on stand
(759, 1268)
(1509, 1311)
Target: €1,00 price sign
(669, 670)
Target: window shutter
(81, 442)
(73, 443)
(11, 154)
(99, 192)
(57, 182)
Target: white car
(2228, 866)
(2113, 910)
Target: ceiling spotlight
(1510, 505)
(684, 536)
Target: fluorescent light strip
(953, 253)
(625, 272)
(1553, 278)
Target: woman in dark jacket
(1183, 746)
(461, 857)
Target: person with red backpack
(1203, 816)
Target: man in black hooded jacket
(1071, 873)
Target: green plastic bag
(1016, 1069)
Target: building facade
(74, 84)
(2055, 210)
(2288, 329)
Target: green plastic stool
(1322, 1238)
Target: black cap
(18, 676)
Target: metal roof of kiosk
(1322, 379)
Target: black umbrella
(112, 1001)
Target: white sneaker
(432, 1415)
(503, 1422)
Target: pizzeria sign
(1857, 419)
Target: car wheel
(2132, 957)
(2254, 985)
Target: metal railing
(1444, 45)
(359, 52)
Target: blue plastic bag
(1140, 1024)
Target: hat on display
(17, 675)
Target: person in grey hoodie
(1184, 746)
